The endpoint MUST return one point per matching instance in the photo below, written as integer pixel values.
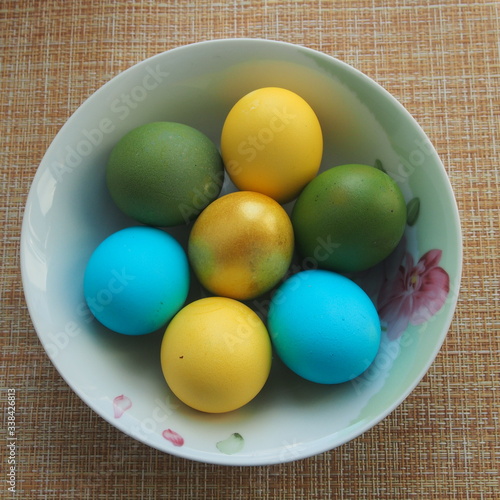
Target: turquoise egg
(324, 327)
(136, 280)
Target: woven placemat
(442, 61)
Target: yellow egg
(216, 354)
(241, 245)
(272, 143)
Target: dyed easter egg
(272, 143)
(324, 327)
(136, 280)
(241, 245)
(349, 218)
(216, 354)
(164, 173)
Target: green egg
(349, 218)
(164, 173)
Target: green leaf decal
(412, 211)
(233, 444)
(379, 165)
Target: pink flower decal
(120, 405)
(173, 437)
(414, 294)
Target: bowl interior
(69, 212)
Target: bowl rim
(318, 446)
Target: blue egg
(324, 327)
(136, 280)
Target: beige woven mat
(442, 61)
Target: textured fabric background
(442, 61)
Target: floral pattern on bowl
(414, 295)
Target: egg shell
(241, 245)
(324, 327)
(349, 218)
(136, 280)
(216, 354)
(272, 143)
(164, 173)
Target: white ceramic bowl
(69, 212)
